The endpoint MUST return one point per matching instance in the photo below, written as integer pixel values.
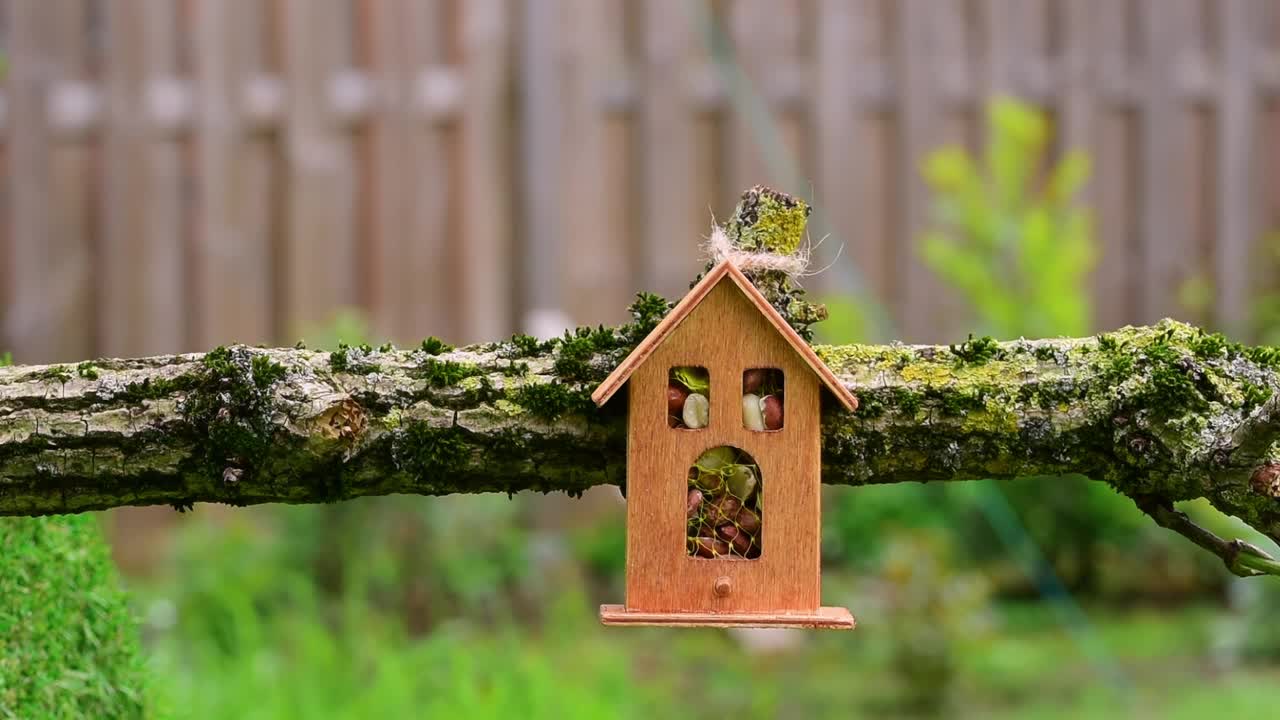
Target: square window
(688, 398)
(762, 399)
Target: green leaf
(1017, 121)
(1067, 179)
(693, 378)
(949, 168)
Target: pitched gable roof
(723, 270)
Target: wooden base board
(826, 618)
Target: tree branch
(1152, 411)
(1162, 414)
(1241, 558)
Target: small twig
(1241, 558)
(1253, 438)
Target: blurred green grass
(239, 625)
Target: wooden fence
(183, 173)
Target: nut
(696, 411)
(709, 547)
(694, 503)
(723, 509)
(748, 520)
(738, 540)
(742, 483)
(771, 409)
(752, 417)
(676, 394)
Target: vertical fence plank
(1114, 283)
(1235, 167)
(485, 296)
(29, 181)
(835, 131)
(432, 189)
(843, 149)
(1166, 245)
(546, 195)
(319, 258)
(384, 37)
(1266, 194)
(954, 59)
(69, 286)
(49, 317)
(410, 292)
(232, 258)
(598, 283)
(142, 305)
(1078, 130)
(912, 282)
(8, 249)
(930, 57)
(1194, 201)
(765, 140)
(1016, 48)
(1002, 44)
(670, 203)
(1075, 102)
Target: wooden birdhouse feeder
(724, 466)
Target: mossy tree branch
(1162, 414)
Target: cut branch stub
(1266, 480)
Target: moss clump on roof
(768, 220)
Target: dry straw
(719, 247)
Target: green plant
(68, 642)
(934, 609)
(296, 635)
(1011, 238)
(1008, 233)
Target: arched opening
(724, 512)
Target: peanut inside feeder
(724, 509)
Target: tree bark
(1161, 413)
